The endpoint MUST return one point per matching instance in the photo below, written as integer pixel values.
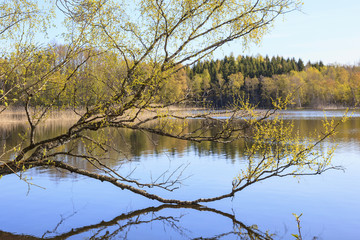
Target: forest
(260, 80)
(206, 83)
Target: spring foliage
(116, 70)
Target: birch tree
(147, 42)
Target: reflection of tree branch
(133, 218)
(62, 220)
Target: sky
(326, 30)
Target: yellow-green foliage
(120, 59)
(277, 149)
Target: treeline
(215, 83)
(260, 80)
(250, 66)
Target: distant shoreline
(17, 115)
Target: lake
(74, 207)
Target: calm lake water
(74, 207)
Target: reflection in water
(136, 145)
(329, 202)
(130, 145)
(120, 227)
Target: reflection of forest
(135, 145)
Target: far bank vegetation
(209, 83)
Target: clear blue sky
(327, 30)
